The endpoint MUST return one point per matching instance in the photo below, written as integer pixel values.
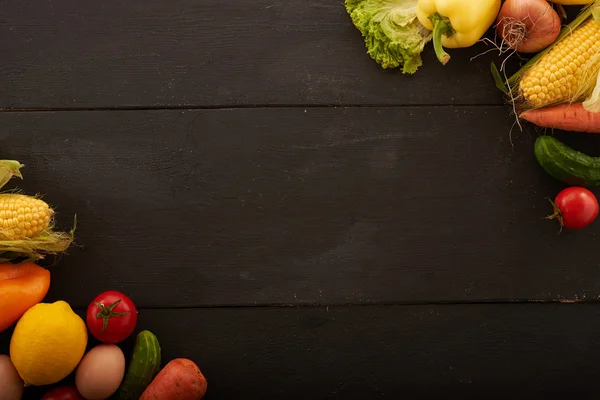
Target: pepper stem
(107, 311)
(441, 26)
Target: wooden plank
(152, 53)
(301, 206)
(425, 352)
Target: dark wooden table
(299, 222)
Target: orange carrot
(567, 117)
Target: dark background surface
(299, 222)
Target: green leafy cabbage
(393, 35)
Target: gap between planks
(242, 106)
(376, 304)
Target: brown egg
(100, 372)
(11, 385)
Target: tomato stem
(556, 215)
(106, 312)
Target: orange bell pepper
(21, 287)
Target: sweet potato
(180, 379)
(567, 117)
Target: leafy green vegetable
(393, 35)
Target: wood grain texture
(535, 351)
(153, 53)
(301, 206)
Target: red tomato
(62, 393)
(111, 317)
(575, 208)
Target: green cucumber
(144, 365)
(566, 164)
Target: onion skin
(528, 26)
(572, 2)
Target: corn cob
(563, 74)
(26, 223)
(23, 217)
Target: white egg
(100, 372)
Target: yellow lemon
(48, 343)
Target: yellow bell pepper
(456, 23)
